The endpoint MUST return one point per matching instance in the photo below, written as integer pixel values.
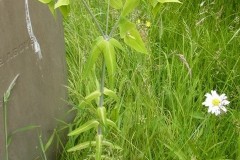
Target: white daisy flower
(216, 103)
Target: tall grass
(194, 48)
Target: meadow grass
(193, 49)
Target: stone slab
(32, 45)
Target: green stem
(5, 127)
(94, 19)
(107, 16)
(114, 27)
(101, 100)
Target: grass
(192, 49)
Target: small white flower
(216, 103)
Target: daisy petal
(216, 103)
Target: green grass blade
(8, 92)
(49, 142)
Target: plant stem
(5, 127)
(114, 27)
(94, 19)
(107, 17)
(101, 100)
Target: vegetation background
(193, 49)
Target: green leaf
(96, 50)
(156, 9)
(98, 147)
(93, 143)
(101, 111)
(129, 6)
(117, 44)
(157, 5)
(86, 126)
(125, 26)
(63, 5)
(117, 4)
(112, 124)
(82, 146)
(110, 60)
(45, 1)
(110, 93)
(107, 48)
(64, 10)
(165, 1)
(131, 35)
(134, 40)
(51, 8)
(92, 96)
(109, 144)
(153, 2)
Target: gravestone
(31, 45)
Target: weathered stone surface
(39, 94)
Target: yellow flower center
(148, 24)
(216, 102)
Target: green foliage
(82, 146)
(157, 5)
(116, 43)
(101, 112)
(160, 112)
(45, 1)
(93, 143)
(166, 1)
(109, 54)
(63, 6)
(96, 51)
(155, 2)
(6, 96)
(105, 49)
(131, 36)
(99, 139)
(112, 124)
(92, 96)
(117, 4)
(85, 127)
(111, 93)
(129, 6)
